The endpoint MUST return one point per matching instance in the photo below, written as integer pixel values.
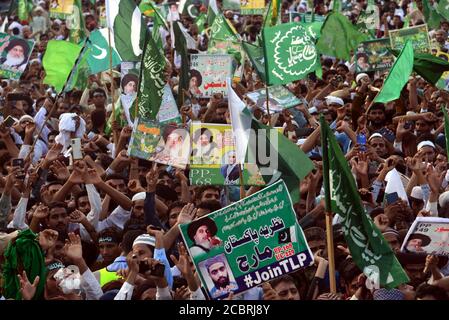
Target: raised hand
(47, 238)
(77, 216)
(434, 179)
(92, 177)
(60, 170)
(79, 172)
(135, 187)
(151, 178)
(72, 248)
(183, 263)
(269, 293)
(53, 153)
(382, 222)
(126, 132)
(187, 214)
(41, 212)
(27, 289)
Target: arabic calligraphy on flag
(208, 73)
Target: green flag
(152, 80)
(290, 52)
(336, 5)
(339, 37)
(98, 58)
(443, 9)
(277, 157)
(255, 55)
(212, 12)
(181, 49)
(81, 71)
(446, 131)
(59, 59)
(428, 66)
(128, 27)
(368, 248)
(200, 21)
(147, 7)
(158, 22)
(188, 8)
(272, 15)
(431, 15)
(75, 23)
(24, 8)
(398, 75)
(221, 30)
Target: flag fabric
(446, 130)
(339, 37)
(398, 75)
(200, 21)
(221, 30)
(126, 23)
(181, 49)
(158, 22)
(58, 61)
(187, 7)
(277, 157)
(3, 26)
(336, 5)
(368, 248)
(272, 15)
(241, 123)
(428, 66)
(432, 17)
(75, 23)
(256, 56)
(147, 7)
(24, 8)
(152, 80)
(443, 9)
(81, 71)
(290, 52)
(212, 12)
(98, 58)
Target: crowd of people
(106, 226)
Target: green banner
(213, 157)
(279, 98)
(14, 55)
(250, 242)
(209, 73)
(61, 9)
(419, 36)
(168, 112)
(144, 139)
(374, 55)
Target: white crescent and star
(102, 55)
(189, 10)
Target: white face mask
(69, 279)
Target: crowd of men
(114, 220)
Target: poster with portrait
(61, 9)
(144, 139)
(428, 235)
(443, 82)
(102, 17)
(173, 148)
(14, 56)
(373, 55)
(419, 36)
(247, 243)
(213, 160)
(252, 7)
(129, 81)
(209, 73)
(279, 98)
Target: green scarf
(23, 254)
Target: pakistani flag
(277, 157)
(200, 21)
(368, 248)
(446, 130)
(212, 12)
(98, 58)
(58, 61)
(398, 75)
(290, 52)
(255, 55)
(152, 80)
(222, 30)
(339, 37)
(126, 22)
(187, 7)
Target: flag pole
(110, 71)
(329, 229)
(242, 187)
(268, 104)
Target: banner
(252, 7)
(373, 55)
(279, 98)
(144, 139)
(305, 17)
(168, 112)
(233, 5)
(173, 148)
(213, 160)
(209, 73)
(443, 83)
(428, 235)
(129, 81)
(61, 9)
(14, 56)
(250, 242)
(419, 36)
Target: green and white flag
(446, 130)
(200, 21)
(290, 52)
(152, 80)
(98, 58)
(75, 23)
(257, 58)
(212, 12)
(221, 30)
(24, 8)
(368, 248)
(443, 9)
(128, 27)
(398, 75)
(187, 7)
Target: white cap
(145, 239)
(375, 135)
(26, 117)
(139, 196)
(360, 76)
(425, 143)
(335, 100)
(300, 142)
(417, 193)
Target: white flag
(394, 184)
